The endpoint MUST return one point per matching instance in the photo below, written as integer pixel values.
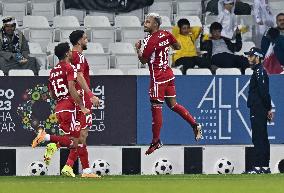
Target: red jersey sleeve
(148, 49)
(77, 61)
(172, 39)
(71, 73)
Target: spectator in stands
(220, 50)
(14, 49)
(187, 56)
(263, 18)
(241, 8)
(276, 37)
(227, 17)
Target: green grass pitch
(273, 183)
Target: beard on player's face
(84, 47)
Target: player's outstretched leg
(157, 121)
(184, 113)
(39, 138)
(64, 141)
(50, 150)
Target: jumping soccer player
(162, 86)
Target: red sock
(184, 114)
(157, 121)
(72, 157)
(62, 140)
(83, 155)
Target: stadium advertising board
(25, 106)
(218, 103)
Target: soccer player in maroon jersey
(162, 86)
(79, 41)
(61, 85)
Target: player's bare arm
(139, 53)
(82, 82)
(176, 46)
(76, 97)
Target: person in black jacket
(220, 50)
(259, 102)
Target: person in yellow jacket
(187, 56)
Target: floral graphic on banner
(30, 121)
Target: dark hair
(75, 36)
(61, 49)
(215, 26)
(279, 14)
(183, 22)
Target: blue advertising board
(217, 102)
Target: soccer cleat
(91, 175)
(153, 147)
(67, 171)
(197, 131)
(50, 149)
(39, 138)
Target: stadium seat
(108, 72)
(140, 71)
(99, 30)
(36, 29)
(79, 14)
(248, 71)
(35, 51)
(123, 55)
(1, 73)
(96, 57)
(45, 8)
(166, 23)
(51, 58)
(177, 71)
(228, 71)
(246, 47)
(162, 7)
(198, 71)
(185, 7)
(16, 8)
(209, 19)
(276, 6)
(110, 16)
(64, 26)
(21, 72)
(193, 20)
(138, 13)
(129, 29)
(44, 72)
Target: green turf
(146, 184)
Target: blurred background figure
(186, 35)
(14, 49)
(227, 17)
(264, 19)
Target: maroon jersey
(156, 51)
(58, 85)
(82, 65)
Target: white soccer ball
(224, 166)
(163, 166)
(38, 168)
(101, 167)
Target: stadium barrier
(124, 115)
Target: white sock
(47, 137)
(87, 171)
